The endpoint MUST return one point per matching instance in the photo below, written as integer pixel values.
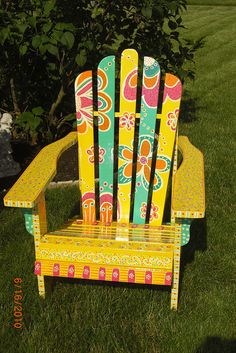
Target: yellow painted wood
(166, 140)
(84, 114)
(41, 171)
(106, 256)
(174, 170)
(151, 251)
(176, 269)
(107, 235)
(158, 275)
(41, 286)
(128, 84)
(188, 199)
(39, 228)
(118, 114)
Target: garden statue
(8, 166)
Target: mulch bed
(67, 166)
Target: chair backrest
(137, 171)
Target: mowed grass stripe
(212, 2)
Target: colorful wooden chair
(129, 243)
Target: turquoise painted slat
(149, 101)
(106, 118)
(28, 220)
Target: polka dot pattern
(188, 200)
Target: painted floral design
(101, 154)
(37, 267)
(115, 274)
(154, 211)
(104, 102)
(143, 210)
(86, 271)
(102, 273)
(172, 119)
(173, 88)
(84, 103)
(127, 121)
(131, 275)
(144, 162)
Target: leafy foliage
(45, 43)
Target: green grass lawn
(95, 318)
(212, 2)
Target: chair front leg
(39, 229)
(176, 269)
(41, 286)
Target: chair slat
(149, 101)
(166, 140)
(128, 93)
(84, 115)
(106, 118)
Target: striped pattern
(99, 235)
(107, 273)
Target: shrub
(45, 43)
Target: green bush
(45, 44)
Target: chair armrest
(39, 173)
(188, 198)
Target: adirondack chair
(129, 243)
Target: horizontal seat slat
(165, 234)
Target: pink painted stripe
(56, 269)
(115, 275)
(86, 272)
(131, 276)
(168, 278)
(37, 268)
(71, 271)
(102, 274)
(148, 277)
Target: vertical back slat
(106, 116)
(166, 140)
(149, 101)
(128, 93)
(84, 115)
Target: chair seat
(125, 253)
(114, 231)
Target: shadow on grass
(197, 242)
(51, 283)
(189, 108)
(217, 345)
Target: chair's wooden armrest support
(39, 173)
(188, 200)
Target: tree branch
(14, 99)
(54, 105)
